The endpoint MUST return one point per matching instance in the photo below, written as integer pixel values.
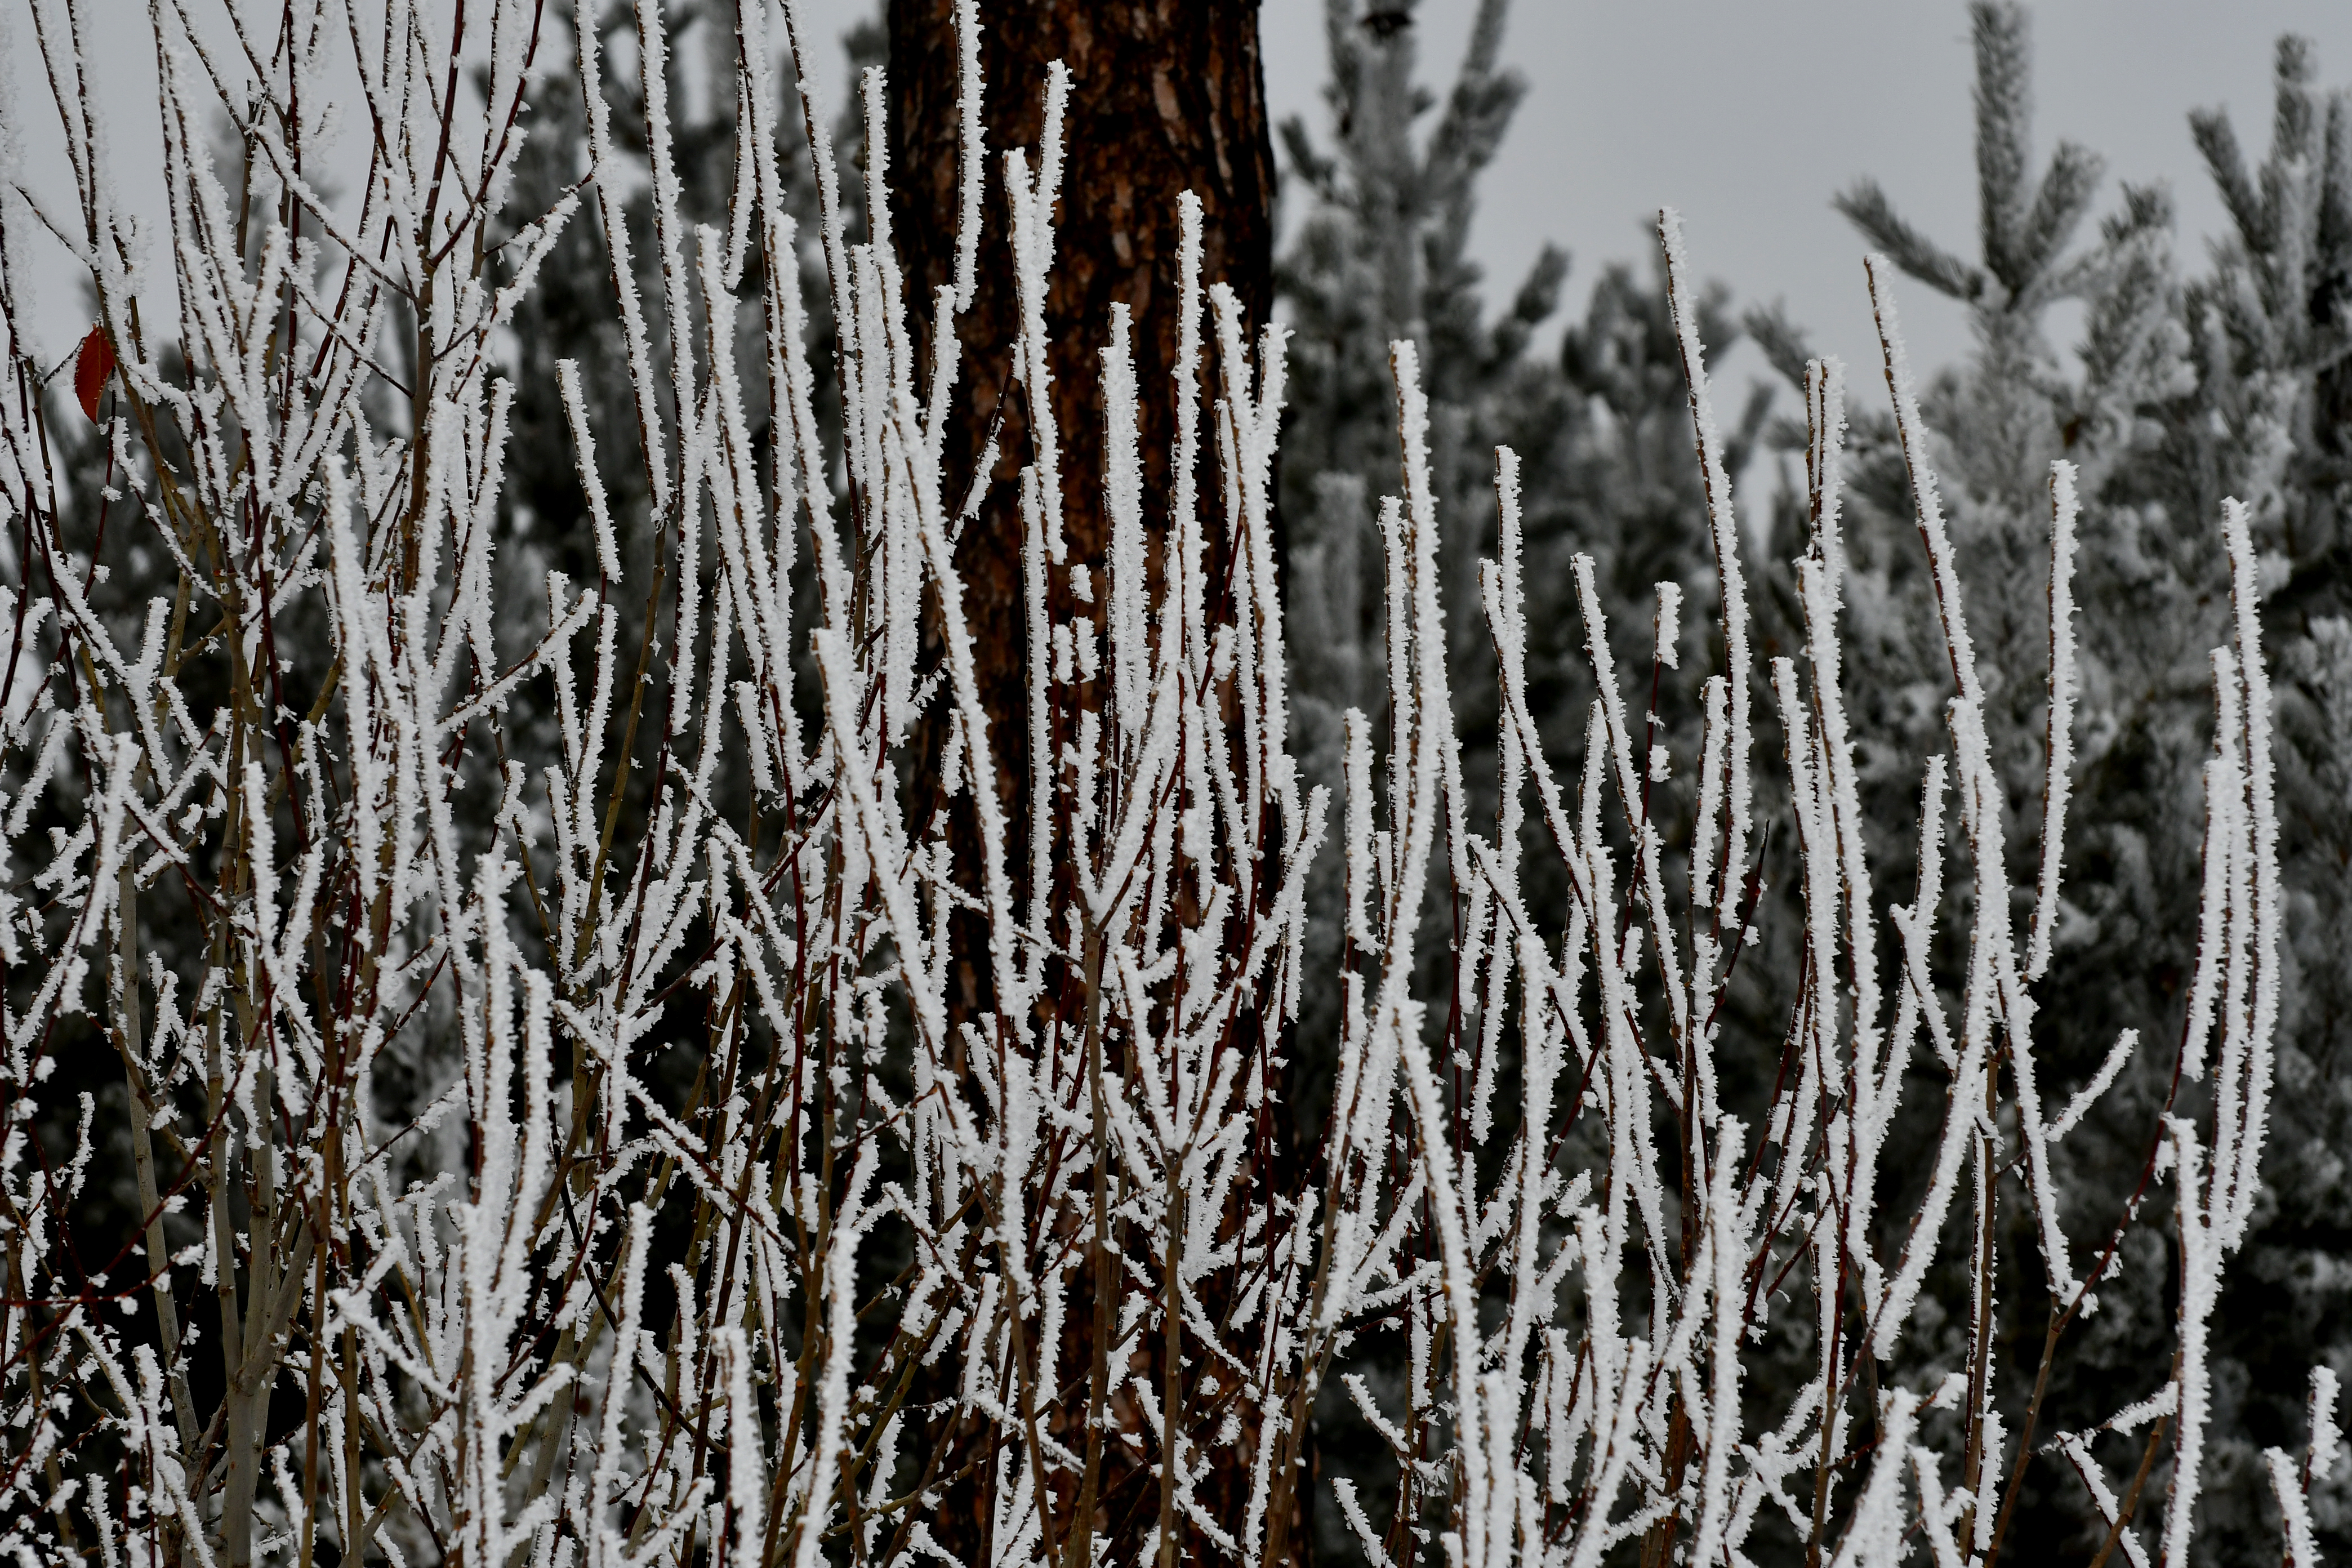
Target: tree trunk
(1166, 95)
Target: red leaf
(92, 366)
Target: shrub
(543, 1126)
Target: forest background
(2177, 343)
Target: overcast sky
(1748, 116)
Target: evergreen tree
(1602, 431)
(1382, 254)
(2187, 391)
(2272, 423)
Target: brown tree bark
(1166, 95)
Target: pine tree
(1382, 254)
(1603, 438)
(2271, 421)
(2187, 390)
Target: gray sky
(1750, 115)
(1747, 116)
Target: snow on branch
(613, 1057)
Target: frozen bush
(574, 1152)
